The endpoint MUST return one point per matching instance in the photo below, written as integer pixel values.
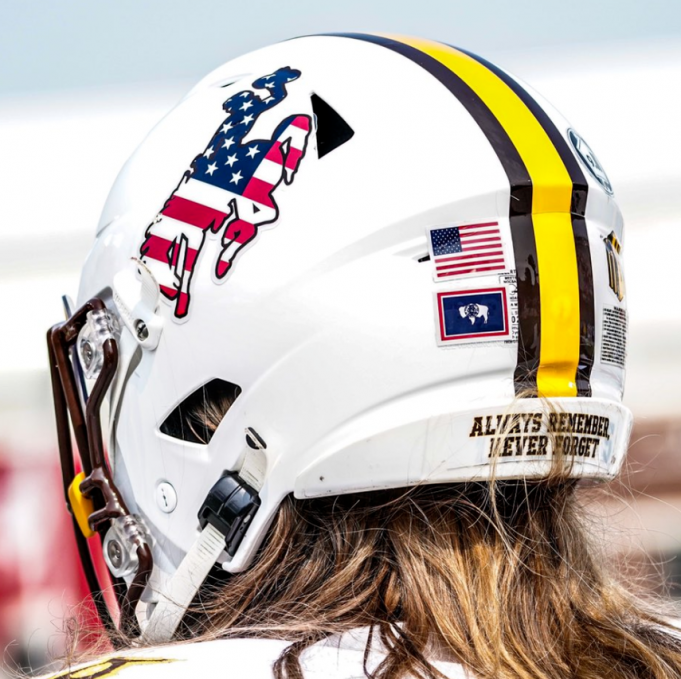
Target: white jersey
(334, 658)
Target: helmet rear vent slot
(332, 130)
(197, 417)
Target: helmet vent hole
(197, 417)
(332, 130)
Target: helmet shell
(348, 348)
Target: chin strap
(184, 585)
(224, 517)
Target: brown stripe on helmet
(580, 191)
(520, 207)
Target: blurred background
(81, 83)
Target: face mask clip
(136, 294)
(124, 539)
(100, 325)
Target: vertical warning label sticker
(509, 280)
(614, 344)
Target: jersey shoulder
(203, 660)
(334, 658)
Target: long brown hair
(498, 576)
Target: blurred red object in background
(41, 583)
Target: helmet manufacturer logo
(589, 159)
(228, 189)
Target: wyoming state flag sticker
(468, 316)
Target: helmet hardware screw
(141, 330)
(115, 553)
(87, 352)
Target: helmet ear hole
(197, 417)
(332, 130)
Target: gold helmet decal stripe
(107, 667)
(587, 319)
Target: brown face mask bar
(98, 486)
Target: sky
(48, 44)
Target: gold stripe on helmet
(551, 203)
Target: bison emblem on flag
(229, 187)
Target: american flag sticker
(466, 250)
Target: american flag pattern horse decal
(229, 186)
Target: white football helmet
(385, 248)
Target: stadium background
(82, 83)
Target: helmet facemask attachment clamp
(89, 338)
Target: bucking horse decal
(228, 187)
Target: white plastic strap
(184, 585)
(253, 469)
